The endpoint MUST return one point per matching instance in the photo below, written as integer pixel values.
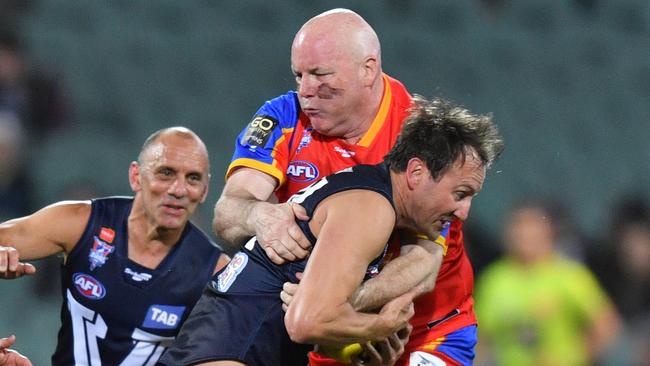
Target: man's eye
(165, 173)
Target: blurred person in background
(32, 95)
(134, 266)
(623, 266)
(32, 107)
(536, 307)
(15, 190)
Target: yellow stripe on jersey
(380, 118)
(440, 240)
(269, 169)
(431, 346)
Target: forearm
(232, 221)
(415, 270)
(602, 332)
(343, 325)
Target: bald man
(428, 179)
(134, 266)
(345, 111)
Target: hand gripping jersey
(280, 142)
(239, 316)
(116, 312)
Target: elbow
(302, 328)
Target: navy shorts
(239, 317)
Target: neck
(399, 200)
(148, 243)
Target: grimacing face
(173, 180)
(448, 198)
(329, 84)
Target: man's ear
(134, 176)
(370, 70)
(416, 172)
(206, 189)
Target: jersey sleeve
(441, 239)
(264, 143)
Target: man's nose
(178, 187)
(462, 212)
(307, 86)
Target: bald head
(342, 30)
(172, 135)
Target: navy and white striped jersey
(117, 312)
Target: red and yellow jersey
(450, 306)
(281, 142)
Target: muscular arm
(51, 230)
(243, 210)
(416, 269)
(348, 240)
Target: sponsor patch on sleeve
(259, 130)
(229, 274)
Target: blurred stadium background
(568, 83)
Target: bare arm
(51, 230)
(337, 266)
(243, 210)
(602, 331)
(416, 269)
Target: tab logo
(88, 286)
(163, 317)
(302, 171)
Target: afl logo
(88, 286)
(302, 171)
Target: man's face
(329, 83)
(529, 234)
(172, 180)
(448, 198)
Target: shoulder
(500, 270)
(574, 271)
(199, 238)
(66, 210)
(282, 111)
(400, 94)
(360, 207)
(113, 202)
